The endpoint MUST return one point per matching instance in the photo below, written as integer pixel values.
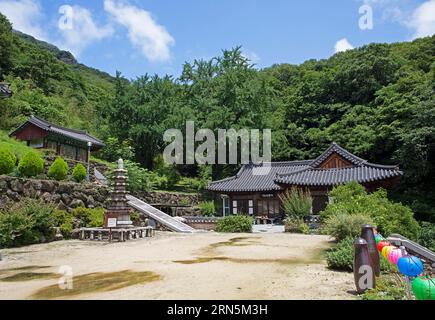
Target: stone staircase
(159, 216)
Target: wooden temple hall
(258, 195)
(68, 143)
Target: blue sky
(158, 36)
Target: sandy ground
(197, 266)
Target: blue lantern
(410, 266)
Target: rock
(76, 203)
(3, 185)
(13, 195)
(65, 188)
(66, 198)
(17, 185)
(62, 206)
(90, 202)
(37, 184)
(47, 185)
(46, 197)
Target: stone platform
(119, 234)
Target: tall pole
(89, 161)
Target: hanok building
(68, 143)
(258, 195)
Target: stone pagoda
(118, 213)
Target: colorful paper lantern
(382, 244)
(379, 238)
(424, 288)
(410, 266)
(394, 256)
(386, 251)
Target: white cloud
(153, 39)
(82, 32)
(343, 45)
(24, 16)
(423, 20)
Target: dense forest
(377, 101)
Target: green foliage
(388, 287)
(139, 179)
(7, 161)
(389, 217)
(235, 224)
(58, 169)
(207, 208)
(31, 164)
(115, 150)
(296, 225)
(427, 235)
(342, 225)
(341, 257)
(64, 220)
(18, 148)
(297, 203)
(79, 173)
(90, 218)
(27, 222)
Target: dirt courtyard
(176, 266)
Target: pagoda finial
(121, 164)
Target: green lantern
(424, 288)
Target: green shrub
(27, 222)
(7, 161)
(58, 169)
(90, 218)
(427, 235)
(139, 179)
(389, 217)
(31, 164)
(79, 173)
(297, 203)
(342, 225)
(388, 287)
(235, 224)
(342, 255)
(294, 225)
(207, 208)
(64, 221)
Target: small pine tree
(31, 164)
(79, 173)
(7, 161)
(59, 169)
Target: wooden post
(369, 236)
(363, 272)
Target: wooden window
(226, 206)
(235, 207)
(268, 207)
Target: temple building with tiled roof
(5, 91)
(258, 194)
(69, 143)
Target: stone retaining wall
(66, 195)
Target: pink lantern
(394, 256)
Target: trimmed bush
(79, 173)
(27, 222)
(297, 203)
(388, 287)
(207, 208)
(235, 224)
(7, 161)
(31, 164)
(58, 169)
(90, 218)
(342, 225)
(294, 225)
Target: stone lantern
(118, 214)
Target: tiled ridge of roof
(5, 90)
(335, 148)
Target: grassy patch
(16, 147)
(97, 282)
